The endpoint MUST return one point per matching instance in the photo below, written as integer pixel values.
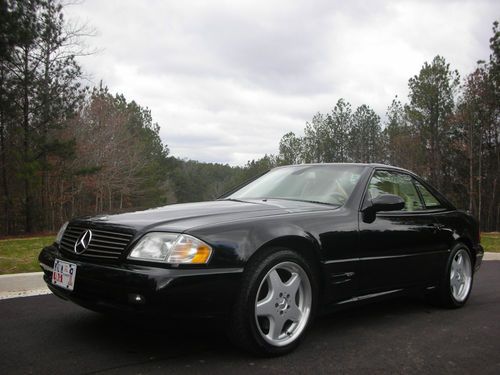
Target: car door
(397, 248)
(444, 219)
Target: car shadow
(159, 339)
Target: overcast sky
(226, 79)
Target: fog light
(136, 299)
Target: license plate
(64, 274)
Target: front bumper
(167, 291)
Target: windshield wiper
(305, 200)
(232, 200)
(237, 200)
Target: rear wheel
(276, 304)
(456, 285)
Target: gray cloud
(225, 80)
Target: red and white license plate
(64, 274)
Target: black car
(273, 253)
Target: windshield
(327, 184)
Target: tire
(276, 304)
(456, 284)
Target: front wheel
(276, 304)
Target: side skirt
(373, 297)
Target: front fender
(235, 243)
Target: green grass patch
(491, 241)
(21, 254)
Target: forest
(68, 149)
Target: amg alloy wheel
(460, 275)
(283, 304)
(277, 302)
(456, 283)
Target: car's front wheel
(276, 303)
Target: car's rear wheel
(276, 303)
(456, 285)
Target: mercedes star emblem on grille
(82, 243)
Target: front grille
(105, 244)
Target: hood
(181, 217)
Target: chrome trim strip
(373, 295)
(341, 260)
(405, 255)
(385, 257)
(368, 296)
(46, 268)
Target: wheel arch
(306, 247)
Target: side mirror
(384, 202)
(387, 202)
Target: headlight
(171, 248)
(60, 233)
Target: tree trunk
(110, 197)
(28, 200)
(471, 168)
(480, 176)
(96, 201)
(61, 203)
(491, 206)
(44, 126)
(3, 152)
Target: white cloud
(226, 79)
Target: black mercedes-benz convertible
(271, 254)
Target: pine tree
(432, 101)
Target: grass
(491, 241)
(19, 255)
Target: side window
(429, 199)
(384, 182)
